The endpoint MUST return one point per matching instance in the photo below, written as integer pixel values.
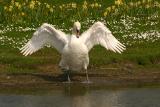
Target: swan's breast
(75, 54)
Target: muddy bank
(103, 77)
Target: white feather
(74, 50)
(100, 34)
(46, 34)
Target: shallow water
(80, 96)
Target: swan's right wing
(99, 34)
(46, 34)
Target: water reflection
(82, 96)
(78, 94)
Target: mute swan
(73, 48)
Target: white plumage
(73, 48)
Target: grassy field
(135, 23)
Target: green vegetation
(136, 23)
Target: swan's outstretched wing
(46, 34)
(98, 33)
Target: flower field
(132, 21)
(136, 23)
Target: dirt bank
(104, 76)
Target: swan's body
(74, 49)
(74, 55)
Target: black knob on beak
(78, 33)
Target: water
(80, 96)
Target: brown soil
(101, 76)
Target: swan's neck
(74, 31)
(73, 37)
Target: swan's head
(76, 29)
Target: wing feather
(46, 34)
(98, 33)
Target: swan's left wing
(98, 33)
(46, 34)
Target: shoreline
(113, 78)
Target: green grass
(129, 22)
(142, 56)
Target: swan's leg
(87, 75)
(85, 68)
(87, 78)
(68, 76)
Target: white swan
(73, 48)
